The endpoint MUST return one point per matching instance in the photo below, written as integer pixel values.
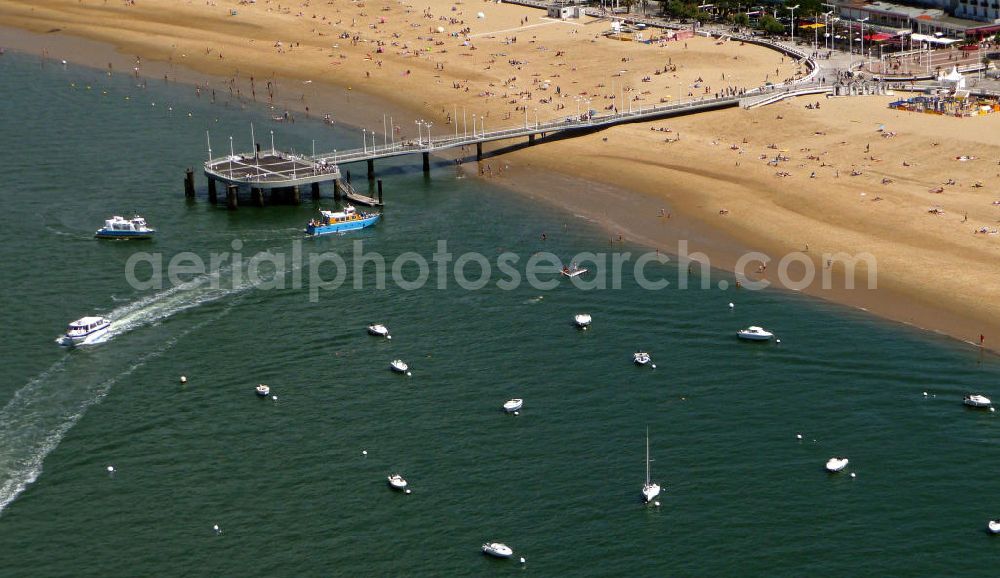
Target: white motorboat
(399, 366)
(263, 390)
(834, 465)
(118, 227)
(497, 549)
(754, 333)
(379, 330)
(397, 482)
(573, 270)
(650, 489)
(85, 331)
(993, 526)
(513, 405)
(583, 320)
(640, 358)
(977, 400)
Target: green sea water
(287, 481)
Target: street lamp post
(364, 140)
(792, 10)
(428, 125)
(864, 59)
(419, 134)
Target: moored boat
(650, 489)
(399, 366)
(640, 358)
(397, 482)
(497, 549)
(754, 333)
(85, 331)
(118, 227)
(977, 400)
(582, 320)
(993, 526)
(348, 219)
(379, 330)
(262, 390)
(573, 270)
(512, 405)
(834, 465)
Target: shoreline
(616, 208)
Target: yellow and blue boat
(341, 221)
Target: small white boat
(85, 331)
(640, 358)
(397, 482)
(977, 400)
(573, 270)
(650, 489)
(498, 550)
(263, 390)
(754, 333)
(399, 366)
(513, 405)
(118, 227)
(583, 320)
(379, 330)
(993, 526)
(834, 465)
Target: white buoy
(992, 409)
(407, 490)
(388, 336)
(111, 469)
(184, 379)
(656, 503)
(522, 559)
(798, 436)
(64, 63)
(409, 373)
(777, 341)
(654, 366)
(731, 305)
(925, 394)
(217, 529)
(364, 452)
(517, 413)
(274, 398)
(853, 475)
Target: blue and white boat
(340, 221)
(85, 331)
(118, 227)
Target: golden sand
(709, 172)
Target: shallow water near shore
(286, 480)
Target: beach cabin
(562, 11)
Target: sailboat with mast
(651, 489)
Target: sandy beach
(915, 191)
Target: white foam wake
(40, 413)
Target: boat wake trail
(37, 418)
(39, 414)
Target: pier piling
(189, 184)
(371, 169)
(380, 191)
(213, 196)
(531, 139)
(479, 151)
(257, 197)
(338, 190)
(427, 162)
(315, 191)
(294, 195)
(231, 202)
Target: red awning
(879, 37)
